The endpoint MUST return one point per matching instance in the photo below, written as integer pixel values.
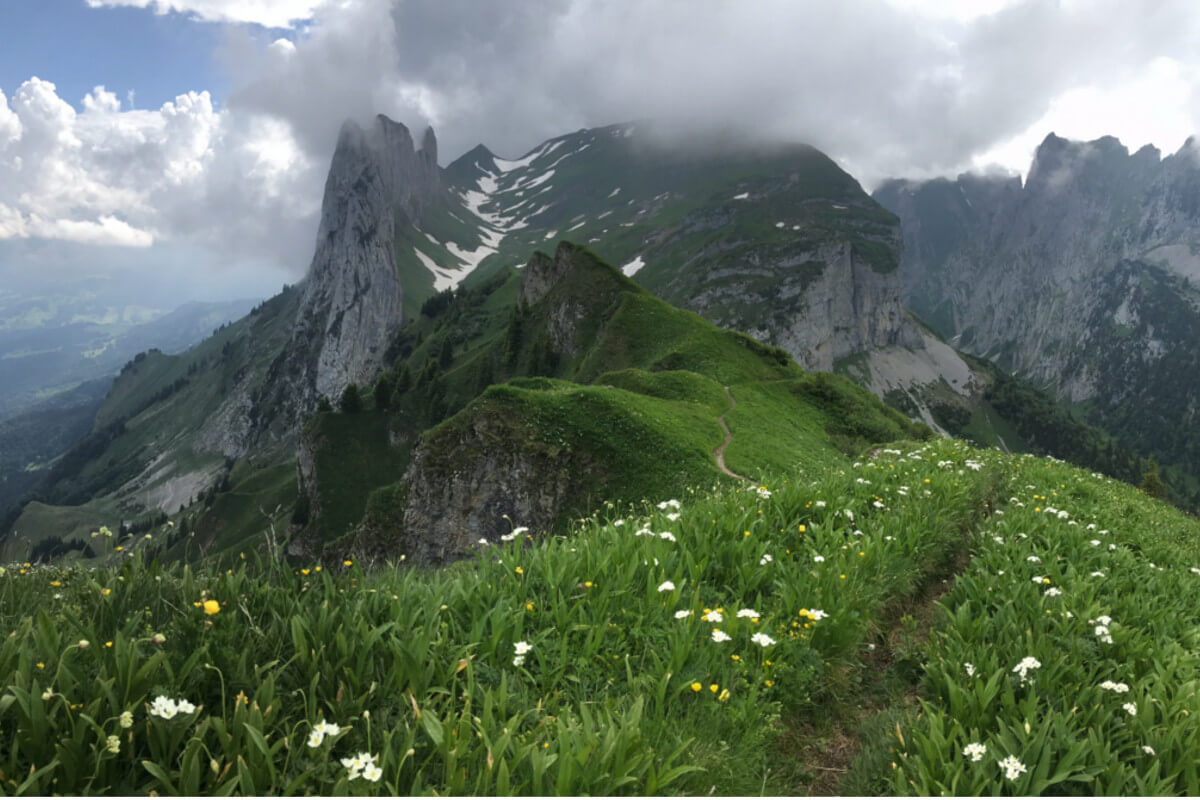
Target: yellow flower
(801, 528)
(736, 657)
(56, 583)
(724, 695)
(108, 644)
(211, 607)
(305, 572)
(587, 584)
(316, 569)
(41, 665)
(106, 591)
(843, 576)
(348, 563)
(713, 688)
(745, 533)
(696, 686)
(529, 606)
(120, 548)
(519, 571)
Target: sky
(187, 140)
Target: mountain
(1084, 279)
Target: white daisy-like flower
(316, 737)
(184, 707)
(713, 616)
(818, 559)
(666, 586)
(1053, 591)
(970, 668)
(163, 707)
(1104, 619)
(1131, 708)
(522, 648)
(719, 635)
(665, 504)
(1095, 543)
(975, 751)
(1034, 560)
(762, 639)
(674, 515)
(819, 504)
(1147, 749)
(372, 772)
(766, 559)
(1097, 574)
(748, 613)
(817, 614)
(1012, 767)
(683, 614)
(667, 536)
(764, 493)
(518, 661)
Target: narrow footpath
(719, 452)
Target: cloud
(903, 87)
(268, 13)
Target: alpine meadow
(664, 459)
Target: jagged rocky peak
(542, 272)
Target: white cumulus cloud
(269, 13)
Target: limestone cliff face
(1085, 279)
(351, 298)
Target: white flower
(618, 523)
(762, 639)
(665, 504)
(1095, 542)
(683, 614)
(748, 613)
(1147, 749)
(315, 737)
(998, 539)
(522, 648)
(1053, 591)
(667, 535)
(483, 542)
(1102, 630)
(1112, 547)
(164, 707)
(849, 515)
(713, 616)
(766, 559)
(327, 728)
(816, 614)
(673, 516)
(1119, 688)
(518, 660)
(1034, 560)
(114, 744)
(1012, 767)
(1131, 708)
(820, 504)
(1104, 619)
(1097, 574)
(507, 537)
(666, 586)
(877, 504)
(764, 493)
(975, 751)
(184, 707)
(372, 772)
(719, 635)
(973, 465)
(126, 719)
(970, 668)
(818, 559)
(1026, 664)
(49, 693)
(1063, 515)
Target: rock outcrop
(351, 302)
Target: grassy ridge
(605, 699)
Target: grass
(602, 702)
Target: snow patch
(550, 235)
(840, 207)
(615, 192)
(577, 225)
(778, 224)
(632, 267)
(742, 196)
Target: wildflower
(714, 688)
(818, 559)
(1037, 578)
(975, 751)
(126, 719)
(713, 616)
(184, 707)
(587, 584)
(158, 638)
(56, 583)
(529, 606)
(1097, 574)
(83, 644)
(683, 614)
(666, 586)
(372, 772)
(1012, 767)
(817, 614)
(106, 591)
(1095, 542)
(315, 738)
(723, 696)
(113, 745)
(1026, 664)
(970, 668)
(164, 707)
(1147, 749)
(667, 536)
(719, 635)
(1104, 619)
(696, 686)
(522, 647)
(820, 504)
(1119, 688)
(674, 515)
(1131, 708)
(764, 493)
(481, 541)
(762, 639)
(767, 558)
(1053, 591)
(1034, 560)
(665, 504)
(519, 571)
(49, 693)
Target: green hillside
(594, 662)
(629, 398)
